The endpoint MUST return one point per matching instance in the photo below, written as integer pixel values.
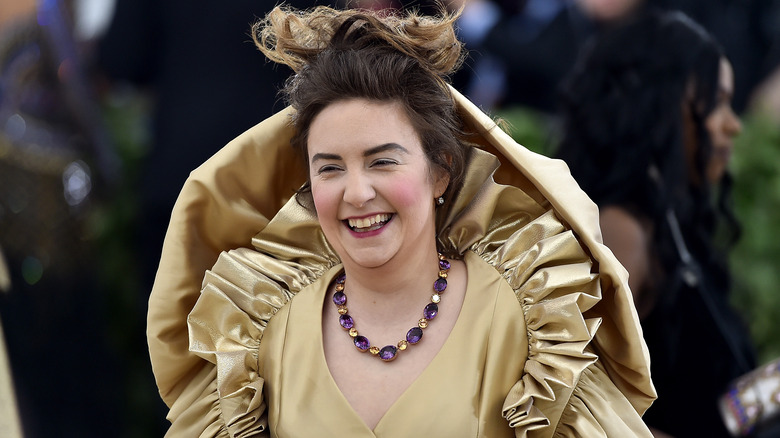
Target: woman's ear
(441, 183)
(441, 178)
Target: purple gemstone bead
(346, 321)
(430, 311)
(414, 335)
(387, 353)
(339, 298)
(440, 284)
(341, 278)
(361, 342)
(444, 264)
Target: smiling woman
(402, 291)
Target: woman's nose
(358, 190)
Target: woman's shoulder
(624, 232)
(623, 220)
(630, 238)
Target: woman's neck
(399, 284)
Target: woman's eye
(383, 162)
(329, 168)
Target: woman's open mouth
(370, 223)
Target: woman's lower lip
(364, 234)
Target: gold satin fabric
(584, 365)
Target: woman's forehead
(361, 124)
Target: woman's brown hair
(338, 55)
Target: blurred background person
(523, 49)
(544, 37)
(648, 131)
(56, 163)
(749, 32)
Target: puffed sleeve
(577, 378)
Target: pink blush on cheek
(325, 206)
(405, 194)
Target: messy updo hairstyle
(338, 55)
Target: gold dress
(547, 343)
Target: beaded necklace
(413, 336)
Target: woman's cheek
(324, 203)
(406, 193)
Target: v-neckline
(323, 365)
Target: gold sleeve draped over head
(241, 191)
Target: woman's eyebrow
(367, 153)
(384, 148)
(325, 156)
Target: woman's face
(372, 184)
(722, 125)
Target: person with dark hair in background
(430, 277)
(749, 32)
(648, 129)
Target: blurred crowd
(523, 50)
(105, 108)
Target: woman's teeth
(368, 223)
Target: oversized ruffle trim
(565, 389)
(552, 279)
(242, 292)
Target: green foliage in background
(532, 129)
(755, 261)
